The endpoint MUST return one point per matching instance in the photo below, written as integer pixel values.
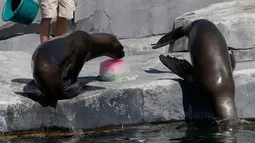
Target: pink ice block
(112, 69)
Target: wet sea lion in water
(212, 66)
(62, 58)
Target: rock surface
(235, 20)
(28, 42)
(125, 18)
(141, 46)
(155, 95)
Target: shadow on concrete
(89, 78)
(10, 29)
(152, 70)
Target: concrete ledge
(156, 95)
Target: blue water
(164, 133)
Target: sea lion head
(109, 45)
(116, 50)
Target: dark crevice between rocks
(109, 22)
(107, 15)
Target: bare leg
(45, 29)
(61, 26)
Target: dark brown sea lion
(62, 58)
(211, 69)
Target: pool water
(163, 133)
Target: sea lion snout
(120, 54)
(116, 54)
(117, 51)
(112, 46)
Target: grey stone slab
(163, 102)
(154, 95)
(115, 107)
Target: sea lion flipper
(78, 88)
(40, 98)
(24, 81)
(180, 67)
(169, 37)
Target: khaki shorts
(54, 8)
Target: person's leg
(65, 12)
(45, 29)
(48, 11)
(61, 26)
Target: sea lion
(211, 69)
(62, 58)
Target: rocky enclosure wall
(125, 18)
(234, 19)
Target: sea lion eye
(117, 45)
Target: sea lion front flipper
(40, 98)
(169, 37)
(30, 82)
(78, 88)
(180, 67)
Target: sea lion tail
(169, 37)
(77, 89)
(180, 67)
